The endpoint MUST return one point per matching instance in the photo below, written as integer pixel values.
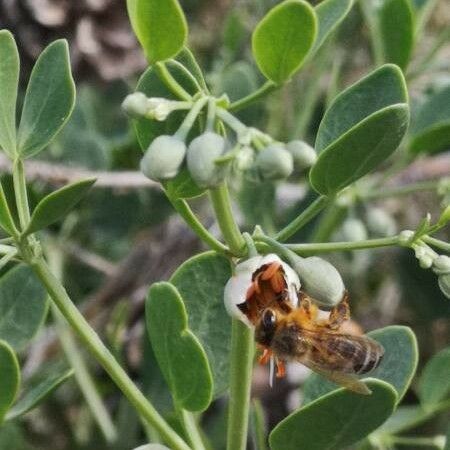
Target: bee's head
(265, 329)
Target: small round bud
(303, 154)
(319, 279)
(274, 163)
(405, 237)
(136, 104)
(380, 223)
(353, 230)
(441, 265)
(163, 158)
(425, 261)
(444, 284)
(201, 156)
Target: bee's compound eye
(269, 319)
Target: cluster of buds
(209, 156)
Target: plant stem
(242, 350)
(170, 82)
(415, 441)
(328, 222)
(235, 124)
(244, 102)
(93, 342)
(341, 246)
(183, 208)
(401, 190)
(190, 425)
(305, 216)
(220, 199)
(76, 360)
(20, 191)
(436, 243)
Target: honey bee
(299, 335)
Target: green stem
(93, 342)
(242, 350)
(244, 102)
(76, 360)
(415, 441)
(171, 83)
(401, 190)
(341, 246)
(220, 199)
(20, 191)
(191, 427)
(183, 208)
(190, 118)
(235, 124)
(436, 243)
(301, 220)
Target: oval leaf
(179, 354)
(330, 13)
(201, 281)
(58, 204)
(336, 420)
(431, 127)
(9, 79)
(41, 388)
(397, 367)
(10, 376)
(23, 306)
(396, 23)
(434, 384)
(283, 38)
(363, 126)
(160, 27)
(49, 99)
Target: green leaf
(179, 354)
(160, 27)
(362, 128)
(49, 99)
(336, 420)
(9, 79)
(434, 383)
(187, 58)
(182, 186)
(396, 22)
(43, 386)
(201, 281)
(330, 14)
(58, 204)
(283, 38)
(430, 130)
(23, 306)
(12, 437)
(151, 85)
(10, 376)
(6, 219)
(397, 367)
(404, 418)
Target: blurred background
(125, 235)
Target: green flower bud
(441, 265)
(304, 155)
(425, 261)
(201, 156)
(136, 104)
(319, 279)
(274, 162)
(380, 223)
(353, 230)
(163, 158)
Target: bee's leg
(339, 314)
(306, 306)
(265, 357)
(281, 369)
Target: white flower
(238, 285)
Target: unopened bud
(303, 154)
(441, 265)
(380, 223)
(163, 158)
(354, 230)
(319, 279)
(444, 284)
(136, 104)
(201, 156)
(274, 162)
(425, 261)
